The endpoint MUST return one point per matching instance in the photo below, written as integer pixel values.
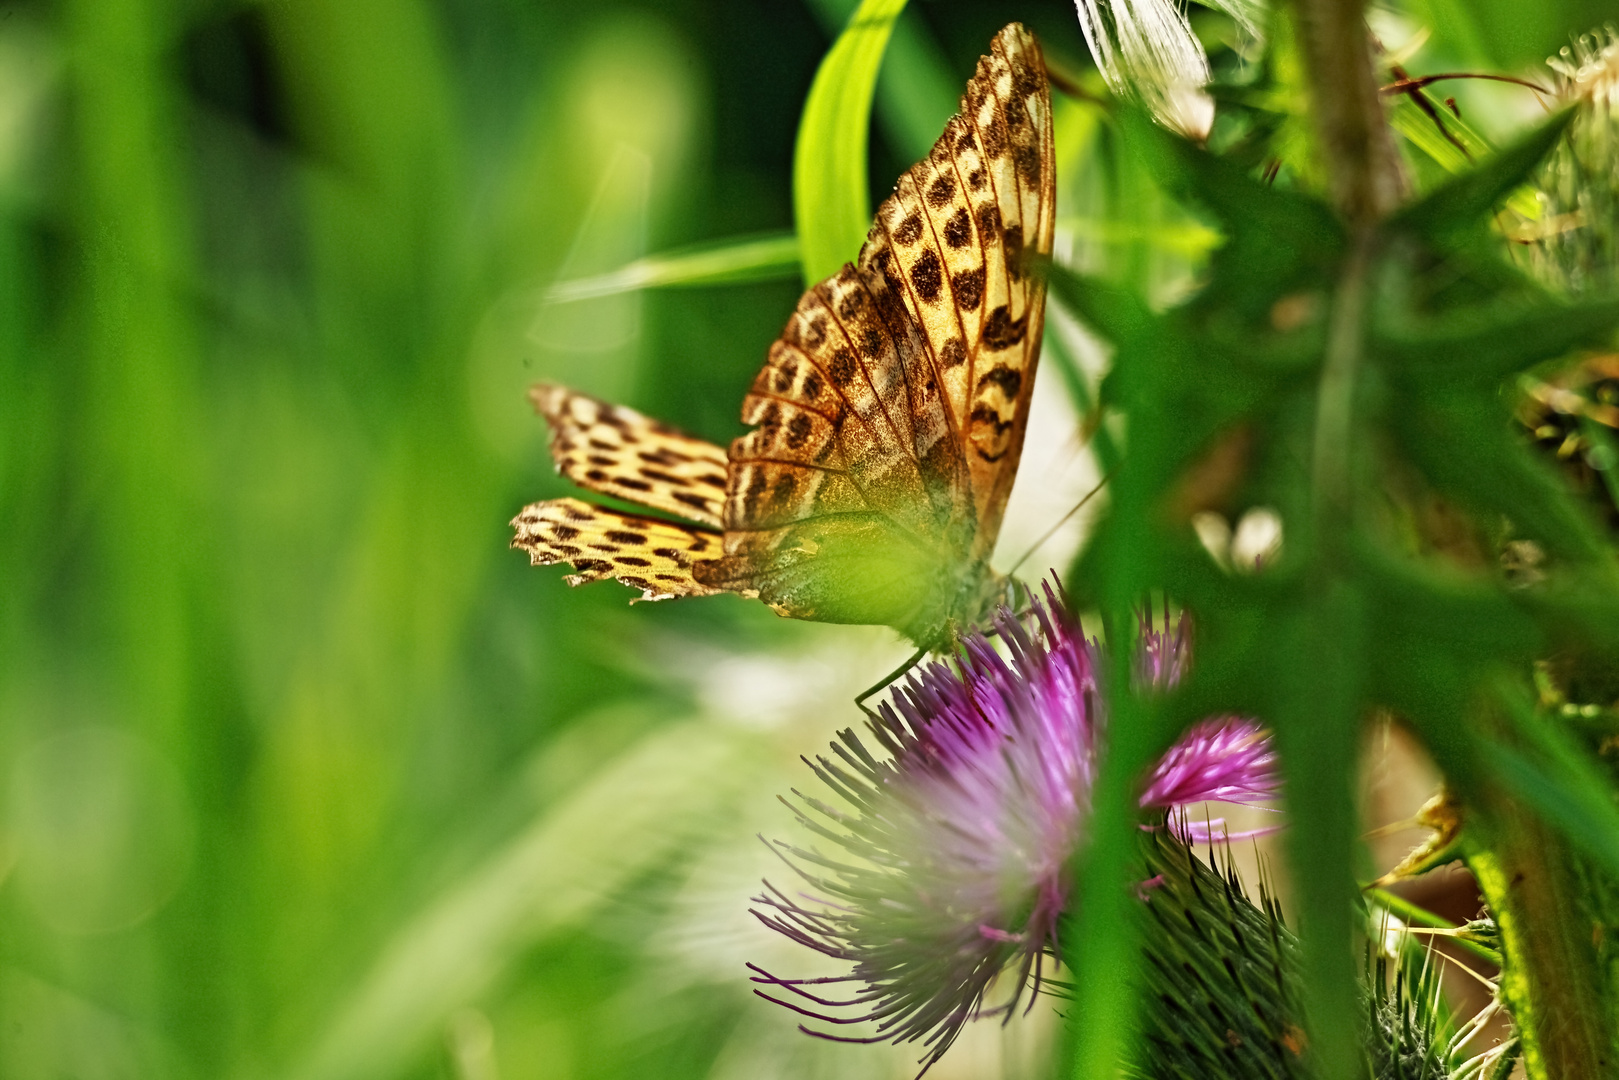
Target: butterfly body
(888, 420)
(859, 569)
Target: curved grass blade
(916, 90)
(1457, 156)
(831, 201)
(765, 257)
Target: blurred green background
(303, 773)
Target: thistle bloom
(957, 842)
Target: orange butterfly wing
(890, 416)
(618, 451)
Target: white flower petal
(1146, 49)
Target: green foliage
(305, 774)
(729, 262)
(1285, 349)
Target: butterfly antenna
(1100, 484)
(888, 680)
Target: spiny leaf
(1463, 202)
(1489, 342)
(1454, 438)
(1279, 239)
(831, 204)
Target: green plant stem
(1355, 145)
(1551, 981)
(1359, 163)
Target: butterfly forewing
(618, 451)
(958, 234)
(891, 413)
(644, 553)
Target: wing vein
(854, 349)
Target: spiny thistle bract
(1405, 1023)
(1222, 992)
(956, 847)
(1221, 979)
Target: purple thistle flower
(958, 842)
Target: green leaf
(916, 90)
(1421, 131)
(1114, 312)
(1463, 202)
(1319, 681)
(1490, 341)
(831, 205)
(1456, 440)
(1274, 238)
(743, 259)
(1185, 238)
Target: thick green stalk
(1551, 981)
(1318, 732)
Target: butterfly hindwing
(618, 451)
(645, 553)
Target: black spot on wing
(969, 287)
(798, 431)
(1004, 377)
(1028, 164)
(695, 501)
(989, 222)
(1001, 331)
(842, 368)
(871, 343)
(927, 275)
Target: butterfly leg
(888, 680)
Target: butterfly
(887, 423)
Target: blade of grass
(831, 203)
(1407, 118)
(744, 259)
(549, 876)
